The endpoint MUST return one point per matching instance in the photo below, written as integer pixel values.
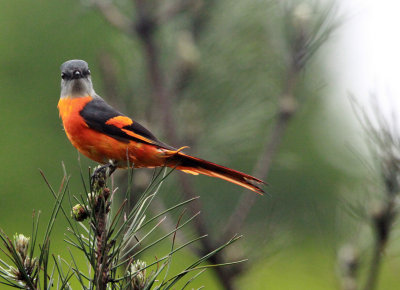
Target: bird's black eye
(64, 76)
(86, 72)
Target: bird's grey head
(75, 79)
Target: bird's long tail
(194, 165)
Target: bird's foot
(99, 176)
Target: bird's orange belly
(102, 148)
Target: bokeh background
(226, 69)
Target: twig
(382, 220)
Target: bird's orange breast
(99, 146)
(76, 129)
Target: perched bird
(109, 137)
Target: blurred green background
(224, 111)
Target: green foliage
(110, 243)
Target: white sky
(368, 50)
(364, 58)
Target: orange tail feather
(194, 165)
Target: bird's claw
(101, 173)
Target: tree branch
(113, 15)
(287, 109)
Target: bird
(115, 140)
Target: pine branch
(304, 36)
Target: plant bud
(139, 279)
(21, 245)
(79, 213)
